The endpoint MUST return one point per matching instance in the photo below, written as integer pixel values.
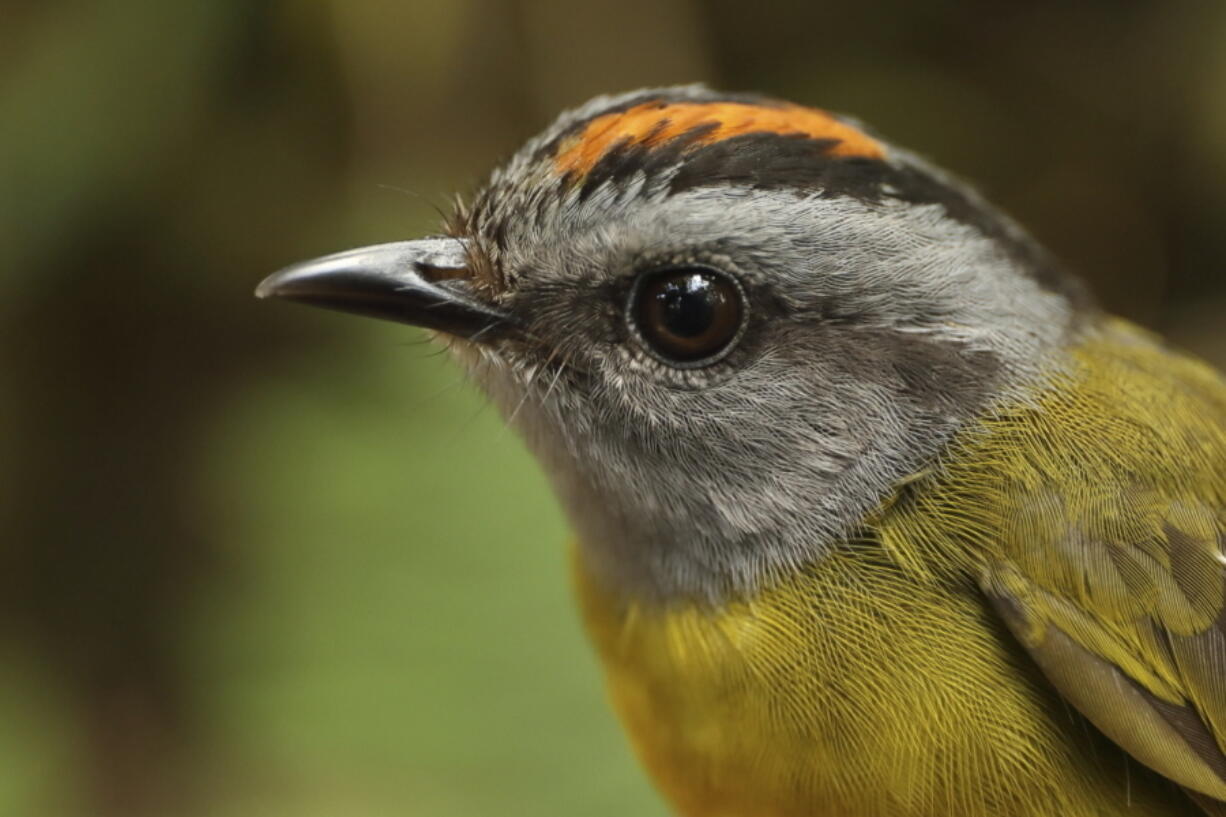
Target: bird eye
(687, 317)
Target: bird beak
(423, 283)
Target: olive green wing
(1126, 616)
(1093, 514)
(1102, 547)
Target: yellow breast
(874, 682)
(848, 691)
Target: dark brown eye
(687, 317)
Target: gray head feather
(878, 327)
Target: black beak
(416, 282)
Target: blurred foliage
(264, 561)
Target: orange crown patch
(655, 123)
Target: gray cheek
(709, 493)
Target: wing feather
(1133, 636)
(1104, 506)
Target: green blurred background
(259, 560)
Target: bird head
(728, 326)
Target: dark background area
(258, 560)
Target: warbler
(876, 512)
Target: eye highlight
(689, 317)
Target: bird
(876, 511)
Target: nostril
(435, 274)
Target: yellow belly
(874, 682)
